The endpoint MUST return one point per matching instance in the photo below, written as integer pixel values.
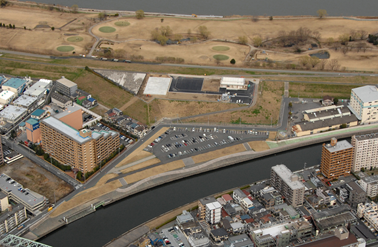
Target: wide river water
(233, 7)
(105, 224)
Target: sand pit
(218, 153)
(141, 165)
(139, 153)
(154, 171)
(258, 146)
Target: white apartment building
(370, 185)
(369, 211)
(213, 213)
(365, 151)
(364, 104)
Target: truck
(20, 227)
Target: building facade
(33, 132)
(12, 219)
(356, 194)
(82, 149)
(336, 159)
(365, 153)
(370, 185)
(364, 103)
(60, 100)
(369, 211)
(66, 87)
(288, 184)
(213, 212)
(15, 85)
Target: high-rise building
(202, 206)
(370, 185)
(82, 149)
(213, 212)
(336, 159)
(288, 184)
(364, 103)
(365, 153)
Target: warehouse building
(12, 114)
(6, 97)
(66, 87)
(233, 83)
(39, 89)
(16, 85)
(60, 100)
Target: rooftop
(38, 88)
(25, 101)
(366, 136)
(304, 126)
(5, 95)
(32, 199)
(12, 112)
(15, 83)
(286, 175)
(66, 82)
(32, 121)
(366, 93)
(332, 241)
(2, 196)
(340, 145)
(213, 205)
(70, 109)
(38, 112)
(61, 98)
(227, 197)
(207, 200)
(15, 209)
(327, 112)
(355, 187)
(219, 232)
(370, 179)
(325, 213)
(232, 81)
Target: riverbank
(145, 184)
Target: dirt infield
(258, 146)
(218, 153)
(154, 171)
(141, 165)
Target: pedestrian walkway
(247, 147)
(330, 134)
(119, 169)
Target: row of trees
(7, 26)
(164, 33)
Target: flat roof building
(6, 97)
(87, 148)
(66, 87)
(39, 89)
(10, 220)
(60, 100)
(4, 203)
(364, 103)
(202, 206)
(336, 159)
(234, 83)
(288, 184)
(38, 114)
(370, 185)
(15, 85)
(26, 101)
(30, 199)
(213, 213)
(12, 114)
(73, 116)
(365, 153)
(33, 132)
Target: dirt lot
(266, 109)
(198, 53)
(113, 96)
(141, 165)
(154, 171)
(218, 153)
(211, 85)
(41, 39)
(173, 109)
(258, 145)
(191, 96)
(309, 90)
(32, 176)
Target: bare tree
(204, 32)
(74, 8)
(257, 41)
(314, 61)
(139, 14)
(166, 31)
(354, 35)
(304, 61)
(316, 35)
(189, 31)
(344, 39)
(363, 34)
(333, 64)
(322, 13)
(162, 40)
(322, 64)
(344, 50)
(217, 61)
(330, 41)
(255, 19)
(155, 34)
(243, 40)
(177, 37)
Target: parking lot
(175, 237)
(123, 139)
(179, 142)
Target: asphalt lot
(182, 142)
(175, 236)
(186, 84)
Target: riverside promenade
(45, 227)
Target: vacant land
(211, 85)
(173, 109)
(138, 110)
(154, 171)
(218, 153)
(266, 110)
(105, 92)
(37, 179)
(198, 53)
(258, 145)
(190, 96)
(309, 90)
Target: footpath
(124, 191)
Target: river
(233, 7)
(110, 222)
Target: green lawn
(65, 48)
(75, 39)
(107, 29)
(220, 57)
(220, 48)
(311, 90)
(122, 23)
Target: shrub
(53, 28)
(232, 61)
(139, 14)
(243, 40)
(204, 32)
(271, 18)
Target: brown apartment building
(82, 149)
(337, 158)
